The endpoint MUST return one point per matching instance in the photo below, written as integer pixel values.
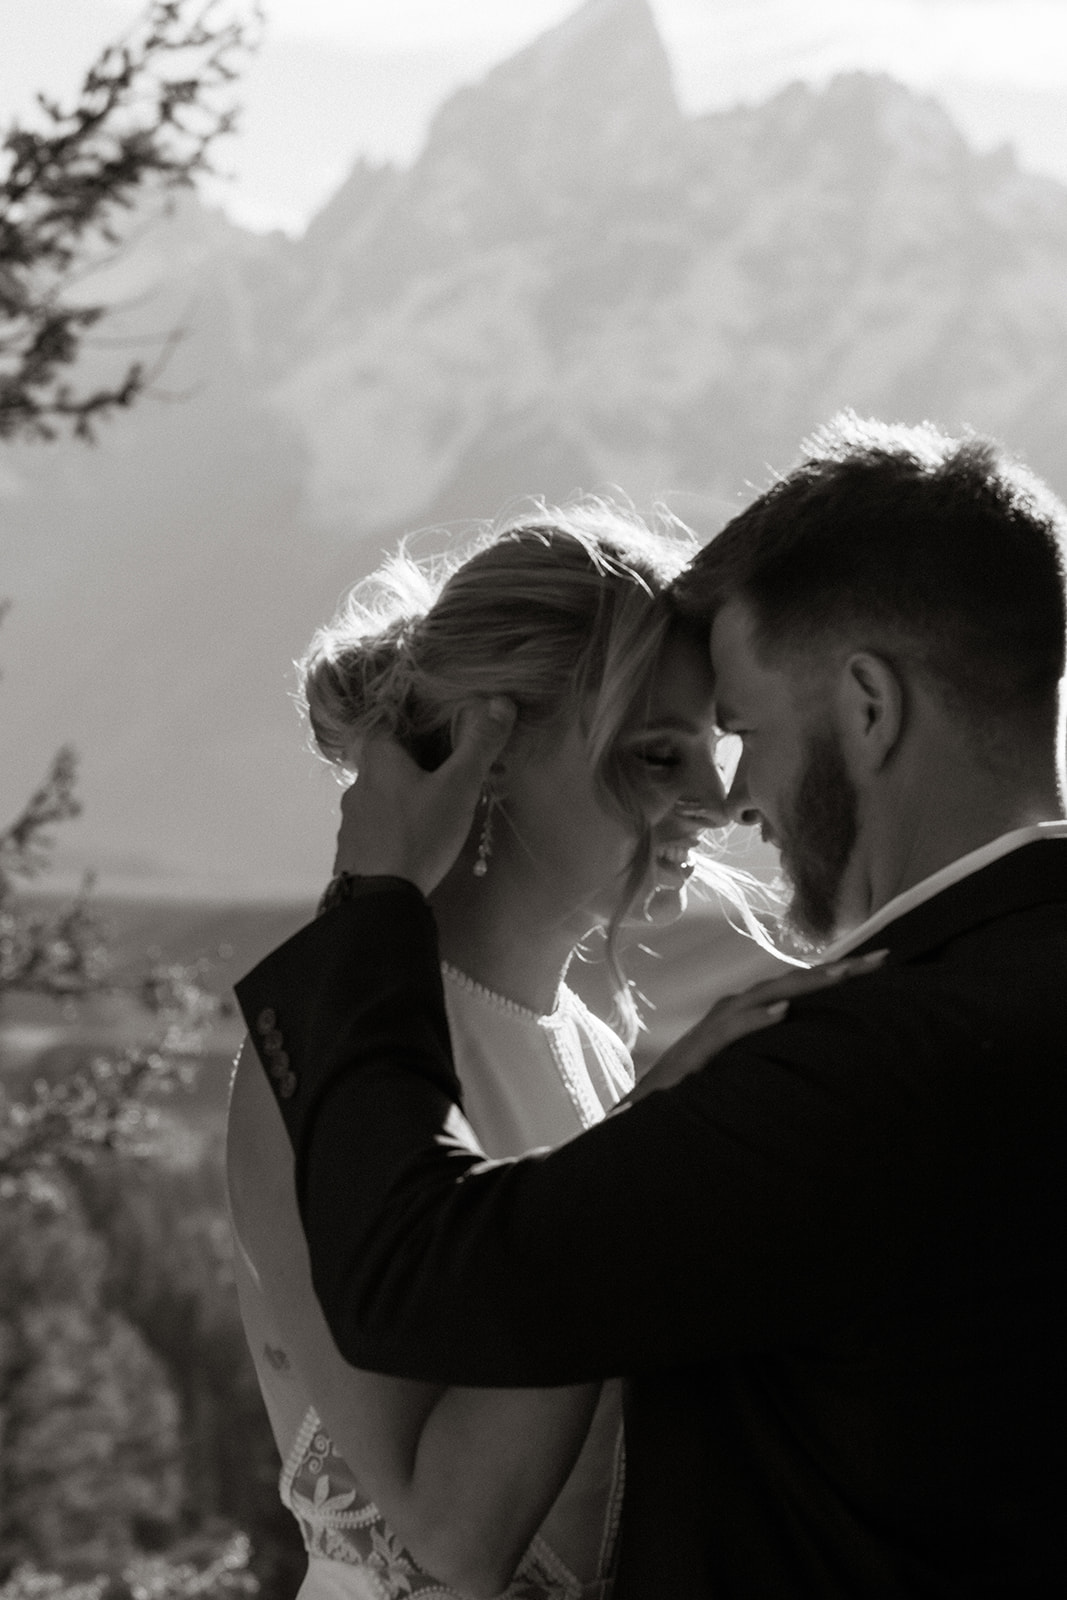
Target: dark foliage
(135, 1454)
(150, 111)
(105, 1101)
(136, 1462)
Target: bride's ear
(499, 779)
(499, 771)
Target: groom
(832, 1261)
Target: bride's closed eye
(658, 758)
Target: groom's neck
(900, 845)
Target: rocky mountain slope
(574, 286)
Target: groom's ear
(872, 704)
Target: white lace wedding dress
(528, 1081)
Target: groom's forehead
(731, 641)
(732, 659)
(742, 675)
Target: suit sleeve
(737, 1210)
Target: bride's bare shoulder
(258, 1153)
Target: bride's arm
(464, 1477)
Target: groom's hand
(402, 822)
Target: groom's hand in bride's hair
(399, 821)
(736, 1015)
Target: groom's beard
(817, 836)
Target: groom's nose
(704, 799)
(712, 792)
(739, 807)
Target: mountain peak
(590, 97)
(598, 29)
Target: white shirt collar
(953, 873)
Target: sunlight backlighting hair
(565, 612)
(941, 552)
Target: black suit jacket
(832, 1261)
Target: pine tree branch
(149, 115)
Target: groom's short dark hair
(944, 551)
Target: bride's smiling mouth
(675, 857)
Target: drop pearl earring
(485, 842)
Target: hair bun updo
(357, 675)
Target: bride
(595, 815)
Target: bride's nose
(705, 798)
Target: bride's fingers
(480, 732)
(735, 1016)
(696, 1048)
(399, 820)
(804, 980)
(366, 803)
(710, 1035)
(721, 1027)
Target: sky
(337, 79)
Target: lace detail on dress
(574, 1034)
(567, 1053)
(339, 1523)
(611, 1055)
(572, 1031)
(500, 1002)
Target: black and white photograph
(533, 799)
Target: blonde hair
(564, 612)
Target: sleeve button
(266, 1020)
(287, 1085)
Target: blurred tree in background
(135, 1457)
(151, 109)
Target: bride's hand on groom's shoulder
(736, 1015)
(400, 821)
